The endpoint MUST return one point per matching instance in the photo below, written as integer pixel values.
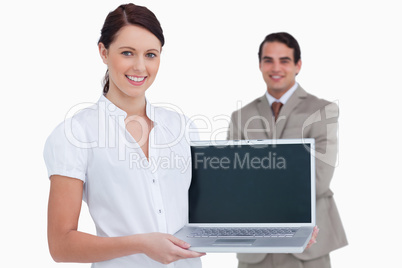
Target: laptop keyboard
(243, 232)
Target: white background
(351, 52)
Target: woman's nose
(139, 64)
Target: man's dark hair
(283, 38)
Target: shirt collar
(285, 97)
(111, 109)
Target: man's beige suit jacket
(303, 116)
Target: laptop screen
(251, 184)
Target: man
(294, 114)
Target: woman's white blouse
(126, 193)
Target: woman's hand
(313, 239)
(166, 248)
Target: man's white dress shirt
(126, 193)
(285, 97)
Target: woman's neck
(131, 105)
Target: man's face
(278, 68)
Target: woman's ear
(103, 52)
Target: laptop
(251, 196)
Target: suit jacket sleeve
(234, 132)
(323, 127)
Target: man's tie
(276, 107)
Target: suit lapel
(287, 109)
(264, 109)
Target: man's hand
(313, 239)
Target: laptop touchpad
(233, 242)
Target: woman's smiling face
(133, 60)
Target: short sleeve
(64, 154)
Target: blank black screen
(250, 184)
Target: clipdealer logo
(111, 136)
(171, 161)
(239, 161)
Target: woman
(108, 155)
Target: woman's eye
(126, 53)
(151, 55)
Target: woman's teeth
(135, 78)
